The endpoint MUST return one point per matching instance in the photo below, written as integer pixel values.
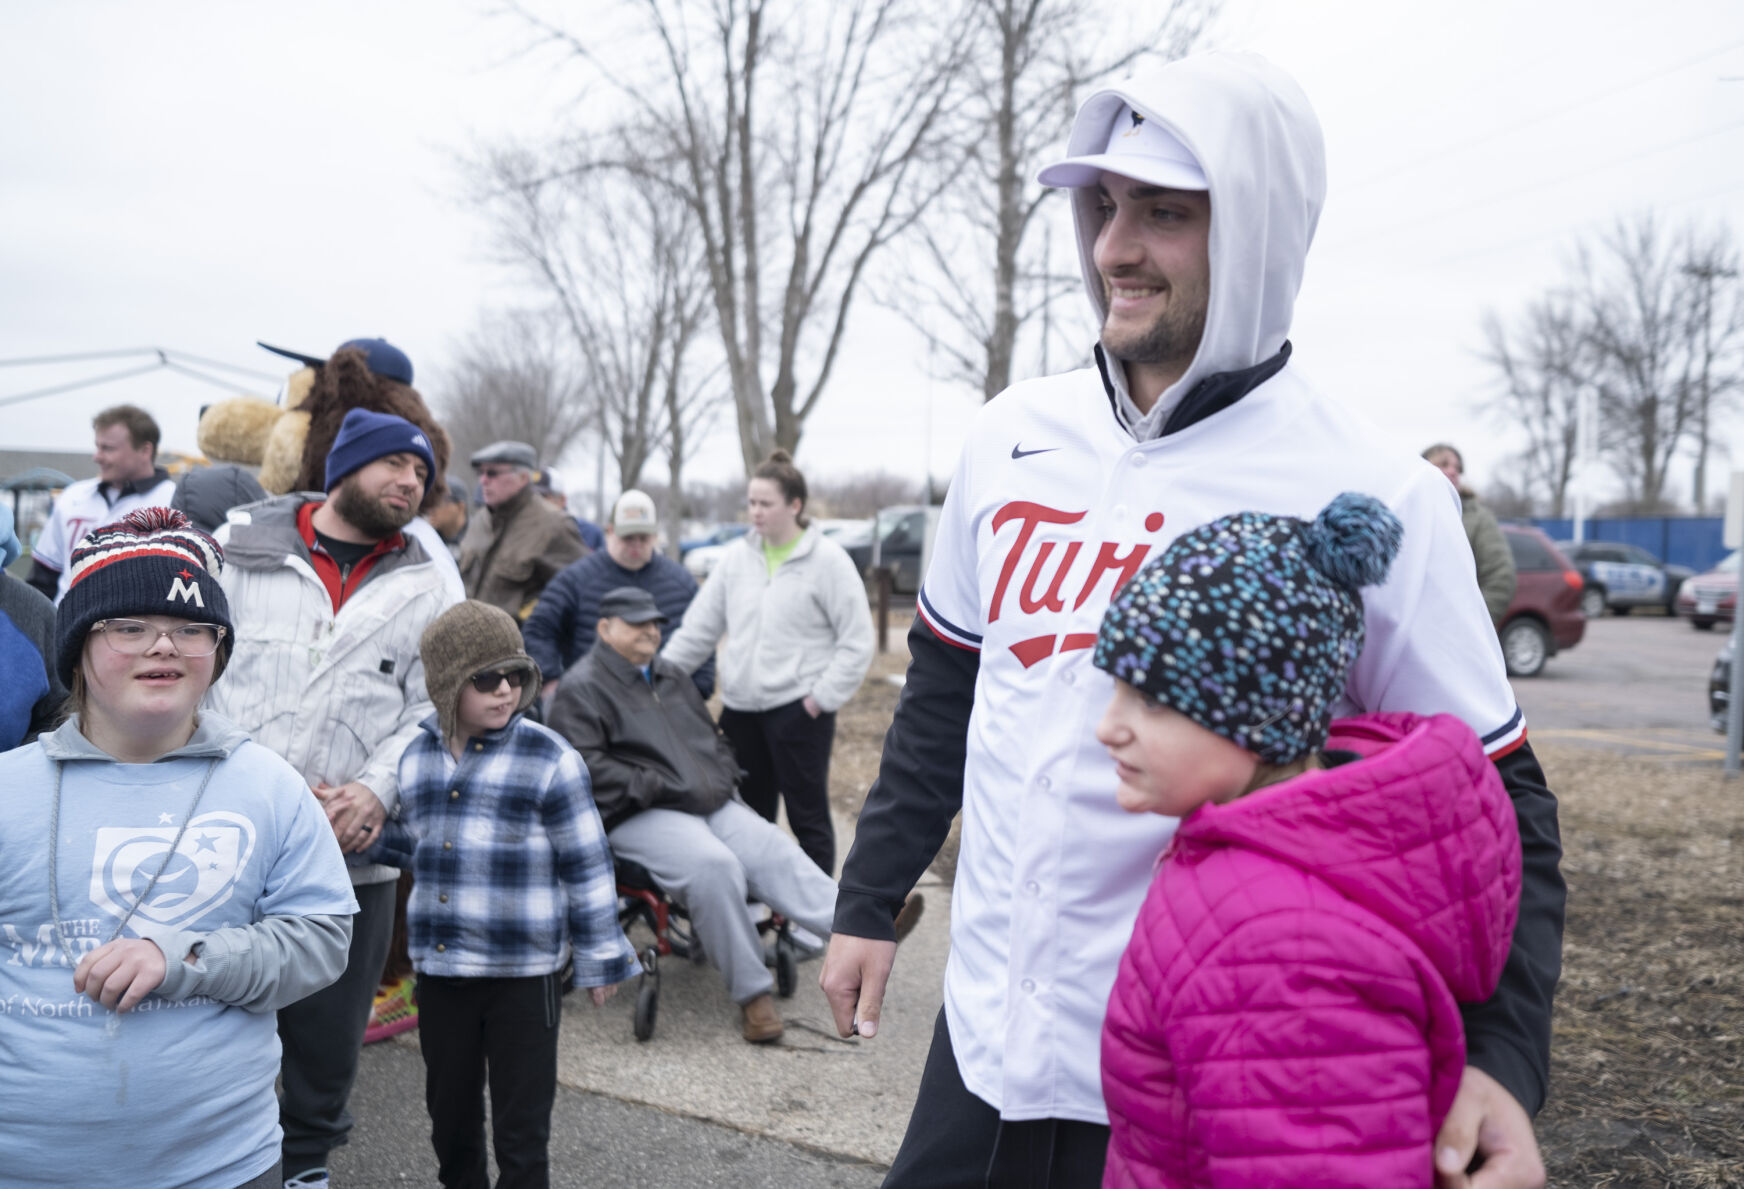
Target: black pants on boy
(504, 1029)
(956, 1141)
(785, 753)
(323, 1035)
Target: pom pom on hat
(1354, 540)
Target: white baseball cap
(1137, 148)
(634, 513)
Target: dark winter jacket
(647, 746)
(31, 695)
(206, 494)
(562, 628)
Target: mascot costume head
(368, 374)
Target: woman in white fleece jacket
(798, 642)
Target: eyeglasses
(486, 683)
(132, 637)
(494, 472)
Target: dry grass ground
(1648, 1055)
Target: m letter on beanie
(185, 591)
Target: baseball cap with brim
(631, 604)
(383, 358)
(1137, 148)
(634, 513)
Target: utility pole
(1707, 273)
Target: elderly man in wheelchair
(664, 780)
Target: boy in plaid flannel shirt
(513, 879)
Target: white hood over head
(1258, 142)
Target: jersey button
(1032, 887)
(1027, 984)
(1044, 783)
(1069, 677)
(1138, 460)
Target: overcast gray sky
(201, 175)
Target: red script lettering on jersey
(1039, 591)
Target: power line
(1518, 191)
(1553, 113)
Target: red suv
(1545, 616)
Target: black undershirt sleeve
(919, 788)
(1508, 1036)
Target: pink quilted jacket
(1286, 1012)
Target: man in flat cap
(518, 542)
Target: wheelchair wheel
(647, 1006)
(786, 967)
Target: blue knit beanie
(365, 436)
(1249, 625)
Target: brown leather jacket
(511, 551)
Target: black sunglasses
(486, 683)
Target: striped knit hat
(150, 562)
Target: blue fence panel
(1693, 541)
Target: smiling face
(380, 498)
(118, 459)
(481, 712)
(775, 518)
(152, 693)
(635, 642)
(1167, 763)
(1153, 255)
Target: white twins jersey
(81, 508)
(1053, 506)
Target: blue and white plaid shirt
(513, 874)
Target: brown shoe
(762, 1021)
(909, 917)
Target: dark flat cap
(515, 454)
(631, 604)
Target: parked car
(1710, 597)
(1720, 686)
(719, 535)
(1621, 577)
(1545, 616)
(900, 543)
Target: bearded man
(329, 598)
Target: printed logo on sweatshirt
(198, 877)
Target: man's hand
(120, 974)
(599, 995)
(856, 970)
(354, 813)
(811, 706)
(1487, 1121)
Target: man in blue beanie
(329, 598)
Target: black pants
(506, 1029)
(785, 753)
(956, 1141)
(323, 1034)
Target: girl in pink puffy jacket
(1286, 1012)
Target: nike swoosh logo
(1017, 450)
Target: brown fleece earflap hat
(467, 639)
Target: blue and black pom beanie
(1249, 625)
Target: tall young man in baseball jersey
(128, 477)
(1195, 191)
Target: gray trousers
(710, 864)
